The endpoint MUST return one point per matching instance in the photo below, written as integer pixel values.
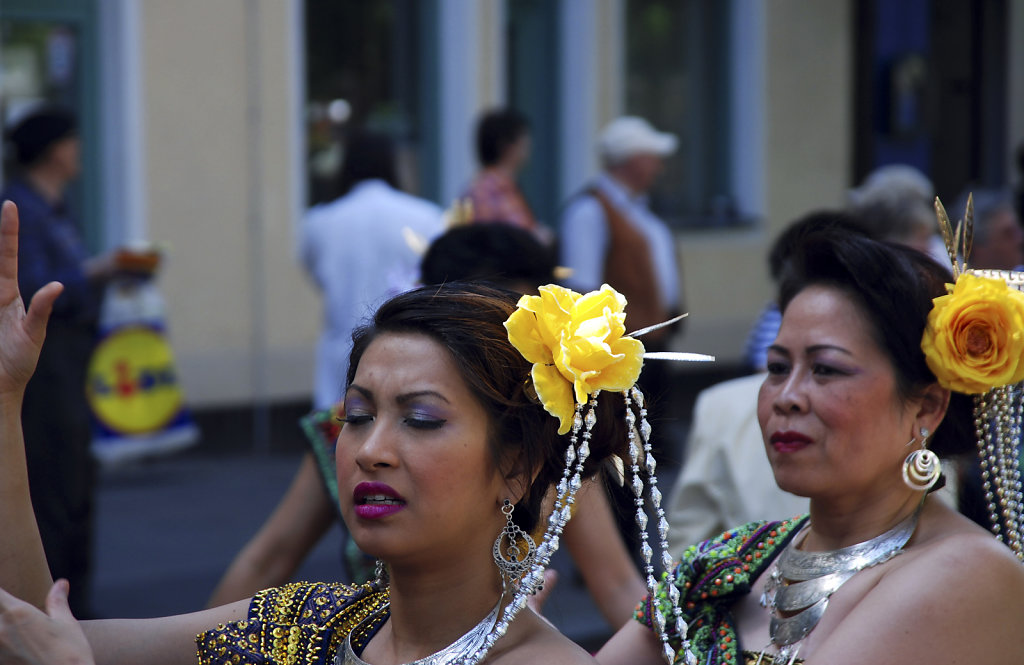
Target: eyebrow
(404, 397)
(814, 348)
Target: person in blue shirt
(46, 149)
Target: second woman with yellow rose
(853, 415)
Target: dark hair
(817, 222)
(893, 286)
(496, 131)
(368, 156)
(468, 320)
(34, 134)
(484, 251)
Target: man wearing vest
(609, 234)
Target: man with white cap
(609, 234)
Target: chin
(794, 482)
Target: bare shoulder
(957, 596)
(538, 641)
(973, 554)
(973, 566)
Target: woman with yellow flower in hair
(462, 412)
(869, 383)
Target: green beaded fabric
(296, 624)
(713, 575)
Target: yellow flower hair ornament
(974, 340)
(578, 346)
(974, 344)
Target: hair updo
(468, 320)
(893, 286)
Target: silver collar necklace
(455, 653)
(798, 589)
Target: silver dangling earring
(380, 575)
(921, 468)
(513, 561)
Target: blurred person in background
(495, 252)
(610, 235)
(355, 250)
(998, 237)
(502, 148)
(896, 203)
(55, 412)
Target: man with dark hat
(55, 413)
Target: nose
(374, 447)
(790, 396)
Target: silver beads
(997, 425)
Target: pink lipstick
(376, 500)
(787, 442)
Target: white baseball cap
(630, 135)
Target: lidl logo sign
(132, 386)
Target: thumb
(57, 602)
(39, 309)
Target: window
(47, 54)
(365, 68)
(677, 76)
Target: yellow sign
(132, 386)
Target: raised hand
(31, 637)
(21, 332)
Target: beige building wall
(219, 168)
(219, 119)
(807, 160)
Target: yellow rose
(974, 340)
(576, 345)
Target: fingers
(9, 241)
(39, 309)
(57, 602)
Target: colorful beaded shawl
(297, 624)
(713, 575)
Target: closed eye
(827, 370)
(357, 419)
(424, 423)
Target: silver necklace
(455, 653)
(802, 582)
